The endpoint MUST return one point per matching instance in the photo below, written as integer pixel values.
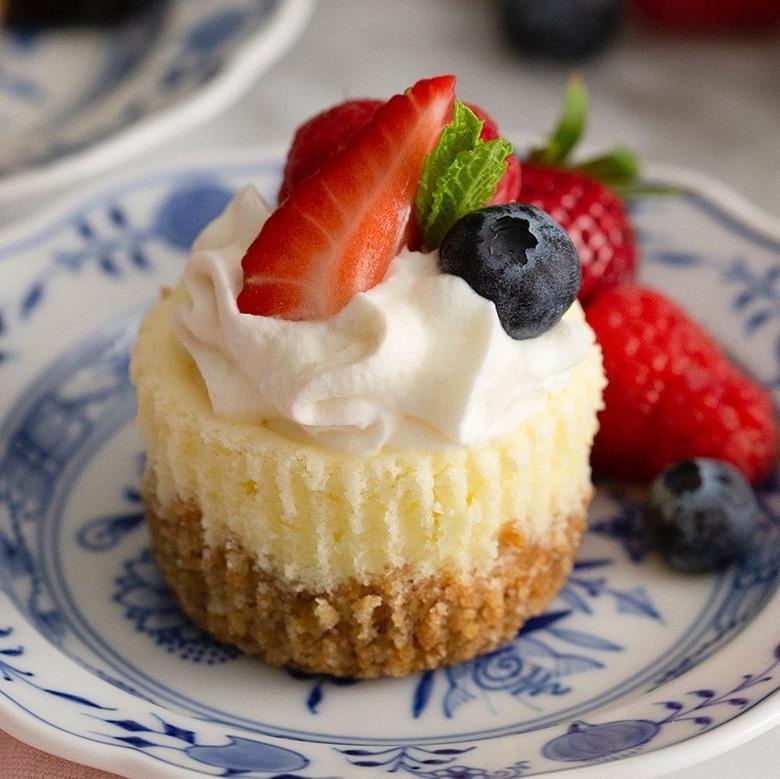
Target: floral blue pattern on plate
(73, 102)
(631, 663)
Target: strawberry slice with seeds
(338, 231)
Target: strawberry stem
(618, 168)
(569, 129)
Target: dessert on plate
(368, 413)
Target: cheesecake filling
(318, 517)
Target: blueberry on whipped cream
(521, 259)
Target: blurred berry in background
(705, 16)
(568, 31)
(560, 30)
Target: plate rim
(29, 728)
(285, 25)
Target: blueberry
(701, 515)
(518, 257)
(560, 30)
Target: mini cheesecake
(357, 565)
(372, 475)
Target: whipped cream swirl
(419, 361)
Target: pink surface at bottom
(20, 761)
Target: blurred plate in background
(75, 102)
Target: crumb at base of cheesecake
(393, 624)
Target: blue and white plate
(75, 102)
(633, 668)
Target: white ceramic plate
(634, 670)
(75, 102)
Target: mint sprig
(459, 175)
(461, 134)
(468, 184)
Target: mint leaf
(460, 135)
(467, 184)
(459, 175)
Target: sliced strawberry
(337, 232)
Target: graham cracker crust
(391, 626)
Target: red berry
(489, 126)
(321, 137)
(325, 134)
(671, 393)
(509, 187)
(339, 229)
(593, 216)
(712, 15)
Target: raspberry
(671, 393)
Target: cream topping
(419, 361)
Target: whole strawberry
(322, 136)
(582, 198)
(671, 393)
